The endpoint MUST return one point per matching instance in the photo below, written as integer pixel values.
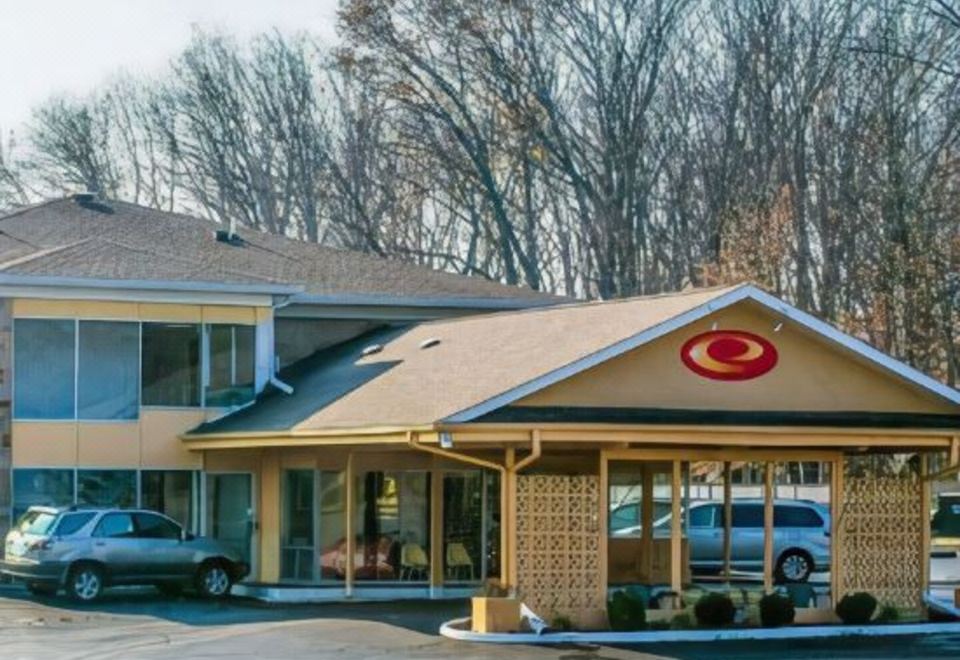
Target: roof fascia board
(148, 285)
(598, 357)
(745, 292)
(855, 345)
(453, 302)
(137, 295)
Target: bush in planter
(626, 612)
(776, 611)
(856, 609)
(562, 623)
(681, 621)
(888, 614)
(714, 610)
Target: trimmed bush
(626, 612)
(562, 623)
(714, 610)
(856, 609)
(776, 611)
(888, 614)
(681, 621)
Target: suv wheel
(794, 566)
(213, 580)
(85, 583)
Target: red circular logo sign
(729, 355)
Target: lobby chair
(414, 562)
(458, 559)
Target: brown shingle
(117, 240)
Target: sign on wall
(729, 355)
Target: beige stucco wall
(811, 375)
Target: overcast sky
(53, 46)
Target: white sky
(69, 46)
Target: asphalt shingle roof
(118, 240)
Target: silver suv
(86, 550)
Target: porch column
(350, 532)
(727, 518)
(269, 516)
(836, 500)
(768, 527)
(925, 486)
(508, 500)
(676, 540)
(646, 521)
(436, 530)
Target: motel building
(363, 428)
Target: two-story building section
(122, 327)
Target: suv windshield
(36, 522)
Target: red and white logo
(729, 355)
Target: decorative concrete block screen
(881, 539)
(558, 544)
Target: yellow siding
(159, 438)
(44, 444)
(269, 515)
(227, 314)
(108, 444)
(811, 375)
(176, 313)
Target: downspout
(508, 476)
(272, 378)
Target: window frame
(203, 366)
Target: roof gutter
(56, 281)
(465, 302)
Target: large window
(296, 561)
(171, 364)
(393, 518)
(108, 386)
(44, 369)
(43, 487)
(171, 492)
(463, 525)
(332, 540)
(231, 366)
(117, 488)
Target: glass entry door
(230, 513)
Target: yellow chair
(413, 562)
(458, 558)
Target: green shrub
(715, 610)
(856, 609)
(681, 621)
(776, 611)
(661, 624)
(626, 612)
(888, 614)
(561, 622)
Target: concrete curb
(454, 630)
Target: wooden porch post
(727, 515)
(646, 520)
(925, 487)
(604, 519)
(436, 530)
(768, 527)
(348, 527)
(676, 541)
(836, 543)
(507, 527)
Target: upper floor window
(108, 379)
(44, 369)
(171, 364)
(48, 383)
(231, 376)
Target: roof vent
(91, 201)
(429, 342)
(229, 236)
(372, 349)
(85, 197)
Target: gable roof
(484, 363)
(117, 241)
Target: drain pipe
(508, 479)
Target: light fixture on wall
(446, 440)
(778, 327)
(714, 326)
